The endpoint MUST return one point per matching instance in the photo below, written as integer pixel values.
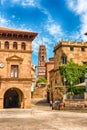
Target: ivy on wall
(73, 72)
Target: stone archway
(13, 98)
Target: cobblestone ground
(41, 117)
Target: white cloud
(32, 3)
(80, 8)
(54, 29)
(3, 21)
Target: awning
(81, 84)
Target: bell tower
(41, 61)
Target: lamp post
(86, 81)
(64, 84)
(64, 95)
(71, 85)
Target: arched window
(23, 46)
(42, 58)
(6, 45)
(15, 45)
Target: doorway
(11, 99)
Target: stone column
(85, 96)
(1, 103)
(64, 97)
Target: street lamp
(71, 85)
(64, 84)
(86, 81)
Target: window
(20, 36)
(82, 49)
(15, 35)
(25, 36)
(85, 63)
(42, 58)
(6, 45)
(14, 71)
(23, 46)
(15, 45)
(72, 48)
(9, 35)
(3, 34)
(64, 60)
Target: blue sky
(52, 19)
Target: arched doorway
(13, 98)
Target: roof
(81, 84)
(5, 29)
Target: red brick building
(42, 55)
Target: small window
(3, 34)
(42, 58)
(15, 45)
(15, 35)
(23, 46)
(85, 63)
(6, 45)
(72, 48)
(9, 35)
(64, 60)
(20, 36)
(82, 49)
(14, 71)
(25, 36)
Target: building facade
(41, 61)
(63, 52)
(49, 66)
(15, 68)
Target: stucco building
(15, 68)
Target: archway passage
(11, 99)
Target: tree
(40, 80)
(73, 72)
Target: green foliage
(73, 72)
(40, 80)
(79, 90)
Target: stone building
(15, 68)
(63, 52)
(41, 61)
(49, 66)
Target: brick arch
(13, 98)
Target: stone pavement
(41, 117)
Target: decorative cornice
(17, 51)
(15, 79)
(13, 34)
(69, 44)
